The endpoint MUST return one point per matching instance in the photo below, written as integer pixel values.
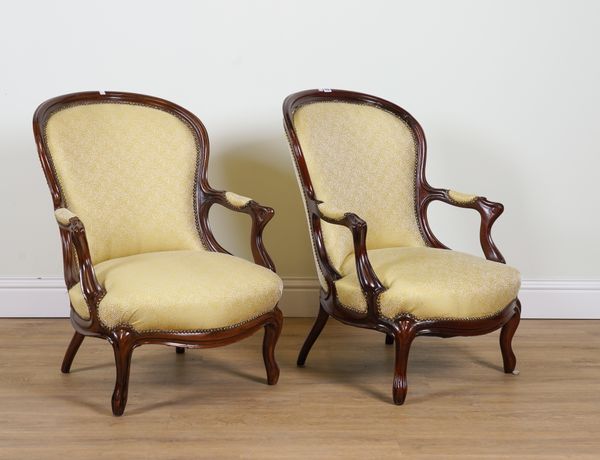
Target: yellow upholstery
(63, 216)
(331, 212)
(239, 201)
(128, 172)
(461, 198)
(361, 159)
(430, 283)
(181, 290)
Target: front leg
(506, 335)
(404, 334)
(272, 332)
(123, 344)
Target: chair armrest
(260, 215)
(369, 282)
(488, 210)
(74, 228)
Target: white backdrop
(507, 92)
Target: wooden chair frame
(78, 264)
(403, 330)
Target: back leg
(320, 322)
(71, 352)
(389, 339)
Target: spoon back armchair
(360, 162)
(146, 268)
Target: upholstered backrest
(128, 171)
(361, 159)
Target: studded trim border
(187, 331)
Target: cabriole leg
(506, 335)
(272, 332)
(318, 326)
(403, 338)
(71, 352)
(123, 346)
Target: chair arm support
(261, 215)
(369, 282)
(92, 290)
(488, 210)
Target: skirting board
(548, 299)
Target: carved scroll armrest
(91, 288)
(488, 210)
(369, 282)
(261, 215)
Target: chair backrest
(359, 154)
(128, 165)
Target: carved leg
(180, 350)
(320, 322)
(123, 346)
(272, 331)
(403, 338)
(71, 352)
(506, 336)
(389, 339)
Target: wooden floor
(215, 403)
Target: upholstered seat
(181, 290)
(429, 283)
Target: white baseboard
(548, 299)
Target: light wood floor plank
(215, 403)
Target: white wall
(507, 92)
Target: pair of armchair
(146, 267)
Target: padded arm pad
(239, 201)
(461, 198)
(63, 216)
(331, 212)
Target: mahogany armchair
(360, 162)
(146, 268)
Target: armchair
(360, 163)
(146, 268)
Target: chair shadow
(171, 380)
(262, 168)
(214, 365)
(77, 370)
(429, 358)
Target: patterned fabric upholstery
(128, 172)
(361, 159)
(430, 283)
(181, 290)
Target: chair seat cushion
(181, 291)
(429, 283)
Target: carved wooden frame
(78, 263)
(403, 330)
